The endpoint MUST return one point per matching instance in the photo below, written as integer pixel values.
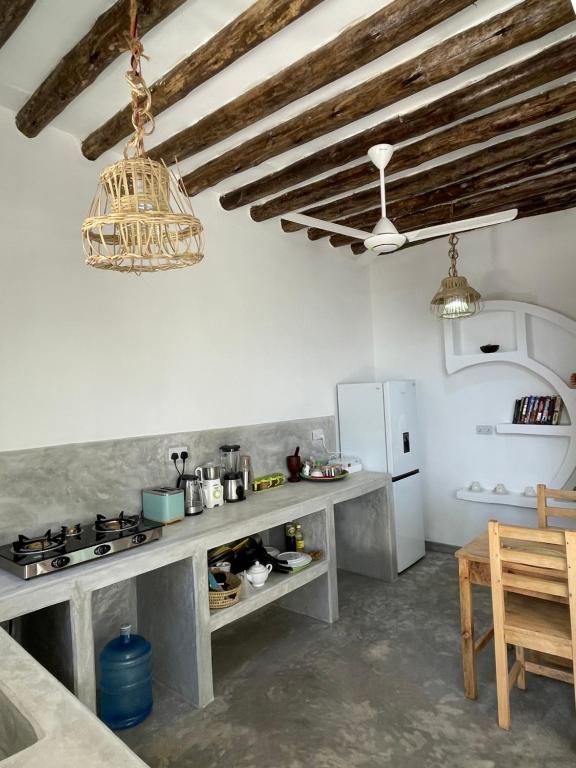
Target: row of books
(537, 409)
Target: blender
(231, 476)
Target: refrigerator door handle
(405, 475)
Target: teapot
(257, 574)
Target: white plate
(295, 559)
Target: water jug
(125, 680)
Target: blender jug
(229, 460)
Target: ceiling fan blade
(329, 226)
(461, 226)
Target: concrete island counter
(44, 725)
(351, 521)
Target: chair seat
(538, 624)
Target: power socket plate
(177, 449)
(317, 434)
(484, 429)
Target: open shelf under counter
(542, 430)
(277, 585)
(511, 499)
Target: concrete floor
(381, 687)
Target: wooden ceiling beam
(549, 202)
(491, 201)
(385, 30)
(476, 130)
(259, 22)
(521, 24)
(551, 63)
(12, 13)
(475, 164)
(87, 59)
(546, 162)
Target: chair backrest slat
(537, 559)
(514, 582)
(558, 494)
(544, 536)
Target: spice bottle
(290, 530)
(299, 538)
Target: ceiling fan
(385, 238)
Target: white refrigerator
(378, 423)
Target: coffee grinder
(231, 475)
(212, 491)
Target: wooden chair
(533, 575)
(544, 511)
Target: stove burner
(112, 524)
(39, 545)
(71, 530)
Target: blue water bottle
(125, 680)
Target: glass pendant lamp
(455, 299)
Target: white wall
(530, 260)
(260, 331)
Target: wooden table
(473, 568)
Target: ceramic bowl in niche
(489, 348)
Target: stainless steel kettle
(193, 504)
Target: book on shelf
(537, 409)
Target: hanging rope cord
(142, 119)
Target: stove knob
(103, 549)
(60, 562)
(140, 538)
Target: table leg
(467, 630)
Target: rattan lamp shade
(140, 221)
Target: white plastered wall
(529, 260)
(260, 331)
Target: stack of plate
(295, 560)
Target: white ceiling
(53, 26)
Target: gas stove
(74, 544)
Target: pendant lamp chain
(453, 254)
(141, 219)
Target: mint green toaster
(164, 505)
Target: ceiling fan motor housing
(385, 238)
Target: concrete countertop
(66, 732)
(231, 521)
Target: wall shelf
(510, 499)
(518, 327)
(542, 430)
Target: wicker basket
(228, 598)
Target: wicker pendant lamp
(455, 299)
(141, 219)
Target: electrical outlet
(484, 429)
(318, 434)
(177, 449)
